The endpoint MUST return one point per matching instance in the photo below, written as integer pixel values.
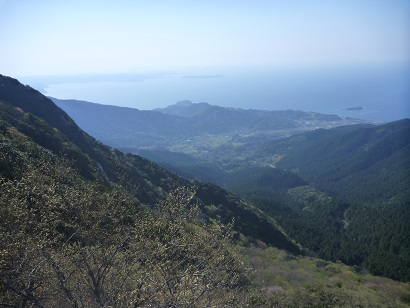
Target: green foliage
(379, 237)
(366, 164)
(307, 215)
(254, 179)
(248, 220)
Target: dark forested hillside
(360, 164)
(368, 169)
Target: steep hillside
(69, 242)
(360, 164)
(368, 169)
(95, 161)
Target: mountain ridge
(121, 127)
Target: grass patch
(288, 280)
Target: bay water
(372, 93)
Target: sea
(380, 94)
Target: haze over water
(379, 94)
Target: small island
(354, 109)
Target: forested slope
(367, 164)
(366, 171)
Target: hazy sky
(40, 37)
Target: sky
(47, 37)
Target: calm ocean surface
(382, 93)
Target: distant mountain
(133, 129)
(185, 109)
(121, 126)
(189, 109)
(229, 119)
